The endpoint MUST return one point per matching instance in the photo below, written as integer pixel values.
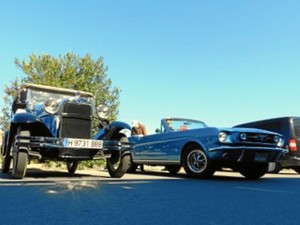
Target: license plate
(260, 157)
(82, 143)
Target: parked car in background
(289, 127)
(49, 123)
(201, 150)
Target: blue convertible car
(201, 150)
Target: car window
(297, 127)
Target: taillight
(292, 145)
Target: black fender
(24, 118)
(29, 122)
(111, 132)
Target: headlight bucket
(51, 107)
(223, 137)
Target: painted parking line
(265, 190)
(18, 184)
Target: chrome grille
(258, 138)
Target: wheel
(132, 167)
(277, 168)
(297, 169)
(196, 163)
(20, 157)
(20, 162)
(116, 165)
(72, 166)
(6, 158)
(254, 172)
(3, 147)
(173, 169)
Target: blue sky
(221, 61)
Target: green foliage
(95, 164)
(66, 71)
(92, 164)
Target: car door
(157, 147)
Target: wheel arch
(187, 145)
(112, 132)
(36, 128)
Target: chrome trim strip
(253, 148)
(149, 161)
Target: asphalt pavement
(50, 196)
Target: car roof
(286, 118)
(55, 89)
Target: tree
(65, 71)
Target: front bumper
(247, 154)
(55, 148)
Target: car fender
(193, 142)
(23, 118)
(113, 129)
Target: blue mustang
(201, 150)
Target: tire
(132, 167)
(297, 169)
(117, 166)
(6, 158)
(3, 147)
(72, 166)
(20, 162)
(277, 168)
(173, 169)
(196, 163)
(6, 161)
(20, 158)
(254, 172)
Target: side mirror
(157, 130)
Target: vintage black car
(49, 123)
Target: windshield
(40, 97)
(184, 124)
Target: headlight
(51, 107)
(223, 137)
(103, 111)
(279, 141)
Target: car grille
(260, 138)
(76, 121)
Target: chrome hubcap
(197, 161)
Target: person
(169, 121)
(138, 128)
